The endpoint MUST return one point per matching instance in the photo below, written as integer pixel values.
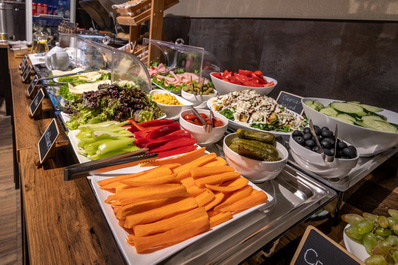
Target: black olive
(317, 130)
(316, 126)
(331, 140)
(325, 129)
(326, 144)
(327, 133)
(341, 144)
(339, 153)
(297, 133)
(309, 148)
(307, 136)
(306, 130)
(316, 149)
(350, 151)
(310, 143)
(327, 152)
(331, 151)
(299, 140)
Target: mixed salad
(119, 102)
(257, 111)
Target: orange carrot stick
(139, 207)
(204, 197)
(216, 179)
(236, 196)
(217, 199)
(188, 182)
(200, 172)
(180, 159)
(161, 212)
(145, 181)
(220, 218)
(257, 198)
(233, 186)
(155, 242)
(195, 163)
(169, 223)
(194, 190)
(218, 161)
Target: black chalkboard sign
(31, 87)
(26, 73)
(36, 103)
(290, 101)
(317, 248)
(47, 141)
(23, 63)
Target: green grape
(370, 217)
(394, 256)
(392, 221)
(393, 213)
(381, 247)
(382, 221)
(395, 228)
(369, 241)
(383, 232)
(376, 260)
(379, 238)
(364, 226)
(392, 240)
(353, 233)
(352, 218)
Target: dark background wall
(348, 60)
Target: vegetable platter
(348, 117)
(149, 249)
(248, 110)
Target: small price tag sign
(35, 105)
(290, 101)
(26, 73)
(31, 88)
(316, 248)
(23, 63)
(47, 141)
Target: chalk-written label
(34, 105)
(290, 101)
(32, 87)
(47, 140)
(317, 249)
(26, 73)
(23, 63)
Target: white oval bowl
(225, 87)
(197, 100)
(314, 162)
(355, 248)
(199, 133)
(171, 111)
(368, 142)
(256, 171)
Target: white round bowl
(199, 133)
(353, 247)
(256, 171)
(368, 142)
(199, 101)
(314, 162)
(171, 111)
(224, 87)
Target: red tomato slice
(245, 72)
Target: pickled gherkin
(264, 137)
(255, 149)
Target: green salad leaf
(229, 114)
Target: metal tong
(57, 76)
(325, 157)
(82, 170)
(208, 127)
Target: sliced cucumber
(371, 108)
(346, 117)
(309, 102)
(348, 108)
(379, 125)
(354, 102)
(318, 105)
(372, 117)
(329, 111)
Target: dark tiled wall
(346, 60)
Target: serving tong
(106, 164)
(326, 158)
(208, 127)
(58, 76)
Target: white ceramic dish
(255, 170)
(314, 162)
(120, 234)
(199, 101)
(367, 141)
(355, 248)
(224, 87)
(199, 133)
(172, 111)
(237, 124)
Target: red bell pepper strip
(174, 144)
(135, 126)
(155, 123)
(172, 136)
(177, 151)
(164, 130)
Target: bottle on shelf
(34, 9)
(38, 10)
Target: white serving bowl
(224, 87)
(171, 111)
(368, 142)
(199, 101)
(314, 162)
(199, 133)
(256, 171)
